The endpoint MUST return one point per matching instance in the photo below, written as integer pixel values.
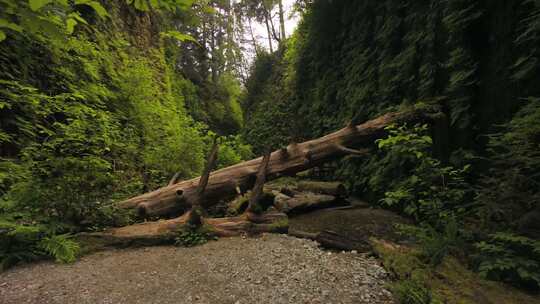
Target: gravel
(269, 269)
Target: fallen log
(336, 189)
(305, 202)
(165, 231)
(332, 240)
(228, 182)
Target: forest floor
(266, 269)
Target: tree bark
(336, 189)
(164, 231)
(304, 202)
(196, 212)
(282, 20)
(228, 182)
(257, 191)
(269, 34)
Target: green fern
(509, 257)
(61, 247)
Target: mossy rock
(450, 282)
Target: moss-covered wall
(353, 60)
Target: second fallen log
(336, 189)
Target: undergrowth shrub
(511, 187)
(190, 238)
(419, 185)
(26, 242)
(435, 245)
(510, 258)
(412, 292)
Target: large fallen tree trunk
(304, 202)
(336, 189)
(165, 231)
(229, 182)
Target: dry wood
(164, 231)
(223, 184)
(196, 212)
(257, 191)
(174, 179)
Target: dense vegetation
(102, 100)
(471, 181)
(95, 113)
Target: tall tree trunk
(213, 49)
(255, 46)
(269, 34)
(282, 20)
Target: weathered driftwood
(164, 231)
(150, 233)
(304, 202)
(195, 214)
(332, 240)
(336, 189)
(257, 192)
(228, 182)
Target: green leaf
(77, 18)
(37, 4)
(2, 36)
(154, 4)
(100, 10)
(178, 36)
(70, 25)
(12, 26)
(141, 5)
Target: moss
(280, 225)
(450, 282)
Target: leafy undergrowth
(190, 238)
(450, 282)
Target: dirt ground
(268, 269)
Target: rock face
(272, 269)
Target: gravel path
(270, 269)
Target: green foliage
(232, 150)
(52, 19)
(91, 118)
(412, 292)
(27, 242)
(268, 116)
(61, 247)
(190, 238)
(170, 5)
(511, 188)
(435, 245)
(420, 185)
(509, 257)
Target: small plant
(190, 238)
(412, 292)
(420, 185)
(435, 245)
(24, 243)
(61, 247)
(511, 258)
